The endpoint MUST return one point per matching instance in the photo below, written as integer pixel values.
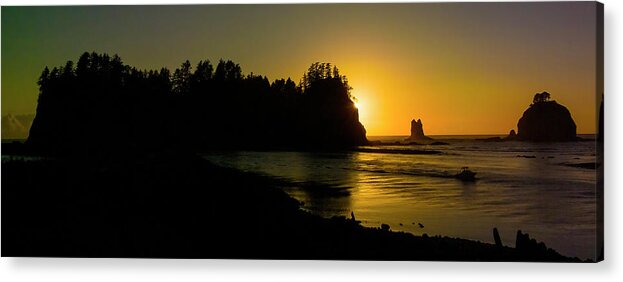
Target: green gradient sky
(463, 68)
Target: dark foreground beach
(178, 205)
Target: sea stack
(512, 135)
(417, 132)
(546, 121)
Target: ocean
(532, 187)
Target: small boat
(466, 174)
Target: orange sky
(469, 68)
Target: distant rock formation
(545, 121)
(511, 136)
(417, 131)
(16, 126)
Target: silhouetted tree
(284, 87)
(227, 71)
(203, 72)
(44, 79)
(541, 97)
(181, 78)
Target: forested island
(101, 104)
(545, 121)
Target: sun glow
(362, 102)
(361, 109)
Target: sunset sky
(469, 68)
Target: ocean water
(542, 195)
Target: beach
(180, 205)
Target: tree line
(101, 104)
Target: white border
(41, 269)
